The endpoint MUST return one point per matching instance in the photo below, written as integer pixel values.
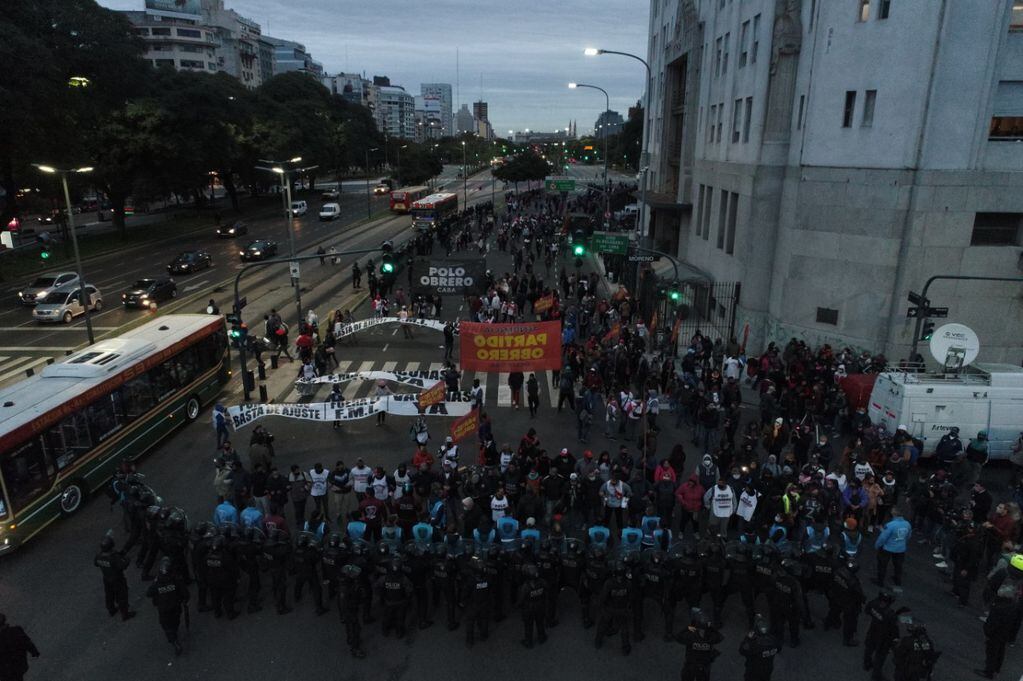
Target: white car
(330, 211)
(64, 304)
(299, 208)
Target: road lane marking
(353, 386)
(504, 395)
(193, 287)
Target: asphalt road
(26, 344)
(51, 588)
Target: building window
(747, 120)
(756, 40)
(163, 62)
(799, 114)
(733, 209)
(1006, 128)
(864, 14)
(850, 107)
(724, 59)
(737, 121)
(721, 120)
(884, 9)
(192, 64)
(189, 33)
(996, 229)
(722, 218)
(710, 122)
(825, 315)
(161, 31)
(869, 98)
(141, 31)
(744, 43)
(717, 58)
(706, 213)
(1016, 18)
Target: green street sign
(609, 242)
(560, 183)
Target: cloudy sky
(526, 51)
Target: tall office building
(464, 122)
(479, 111)
(395, 112)
(827, 158)
(442, 93)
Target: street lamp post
(398, 178)
(465, 180)
(74, 239)
(592, 52)
(279, 167)
(369, 206)
(607, 107)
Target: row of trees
(151, 133)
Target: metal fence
(705, 307)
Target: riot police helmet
(166, 566)
(761, 625)
(530, 571)
(334, 540)
(106, 543)
(351, 571)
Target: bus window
(28, 474)
(186, 366)
(105, 416)
(163, 381)
(137, 396)
(68, 440)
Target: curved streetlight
(607, 107)
(64, 172)
(593, 52)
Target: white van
(299, 208)
(984, 397)
(330, 211)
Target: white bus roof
(409, 189)
(987, 374)
(427, 201)
(77, 373)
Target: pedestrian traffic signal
(238, 334)
(926, 330)
(579, 250)
(44, 252)
(675, 295)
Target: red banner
(543, 304)
(465, 425)
(531, 346)
(611, 335)
(432, 395)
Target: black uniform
(250, 554)
(533, 597)
(277, 554)
(882, 631)
(395, 592)
(998, 633)
(844, 602)
(351, 597)
(740, 577)
(593, 578)
(654, 584)
(616, 601)
(759, 650)
(700, 652)
(915, 656)
(200, 548)
(306, 559)
(715, 576)
(170, 596)
(478, 596)
(419, 567)
(444, 580)
(115, 585)
(549, 563)
(222, 575)
(785, 601)
(686, 585)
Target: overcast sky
(527, 51)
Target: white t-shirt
(319, 487)
(399, 483)
(498, 508)
(360, 478)
(451, 456)
(732, 368)
(506, 458)
(380, 487)
(747, 505)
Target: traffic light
(44, 252)
(578, 243)
(387, 262)
(926, 330)
(674, 295)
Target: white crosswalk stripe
(504, 395)
(552, 386)
(353, 387)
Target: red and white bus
(402, 199)
(430, 210)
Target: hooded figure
(708, 472)
(772, 465)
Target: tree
(418, 164)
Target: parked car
(331, 194)
(40, 289)
(299, 208)
(146, 291)
(232, 230)
(190, 261)
(330, 211)
(260, 249)
(65, 303)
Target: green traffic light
(387, 268)
(578, 250)
(675, 296)
(45, 255)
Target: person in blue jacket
(224, 513)
(891, 547)
(599, 535)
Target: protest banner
(432, 396)
(463, 276)
(530, 346)
(363, 324)
(350, 410)
(543, 304)
(466, 425)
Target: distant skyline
(527, 51)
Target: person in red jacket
(690, 498)
(664, 470)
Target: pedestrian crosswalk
(497, 393)
(13, 368)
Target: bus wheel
(192, 408)
(71, 497)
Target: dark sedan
(190, 261)
(259, 249)
(147, 291)
(232, 230)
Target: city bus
(64, 431)
(402, 199)
(430, 210)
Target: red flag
(465, 425)
(432, 395)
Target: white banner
(418, 379)
(362, 325)
(399, 405)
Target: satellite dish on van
(954, 346)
